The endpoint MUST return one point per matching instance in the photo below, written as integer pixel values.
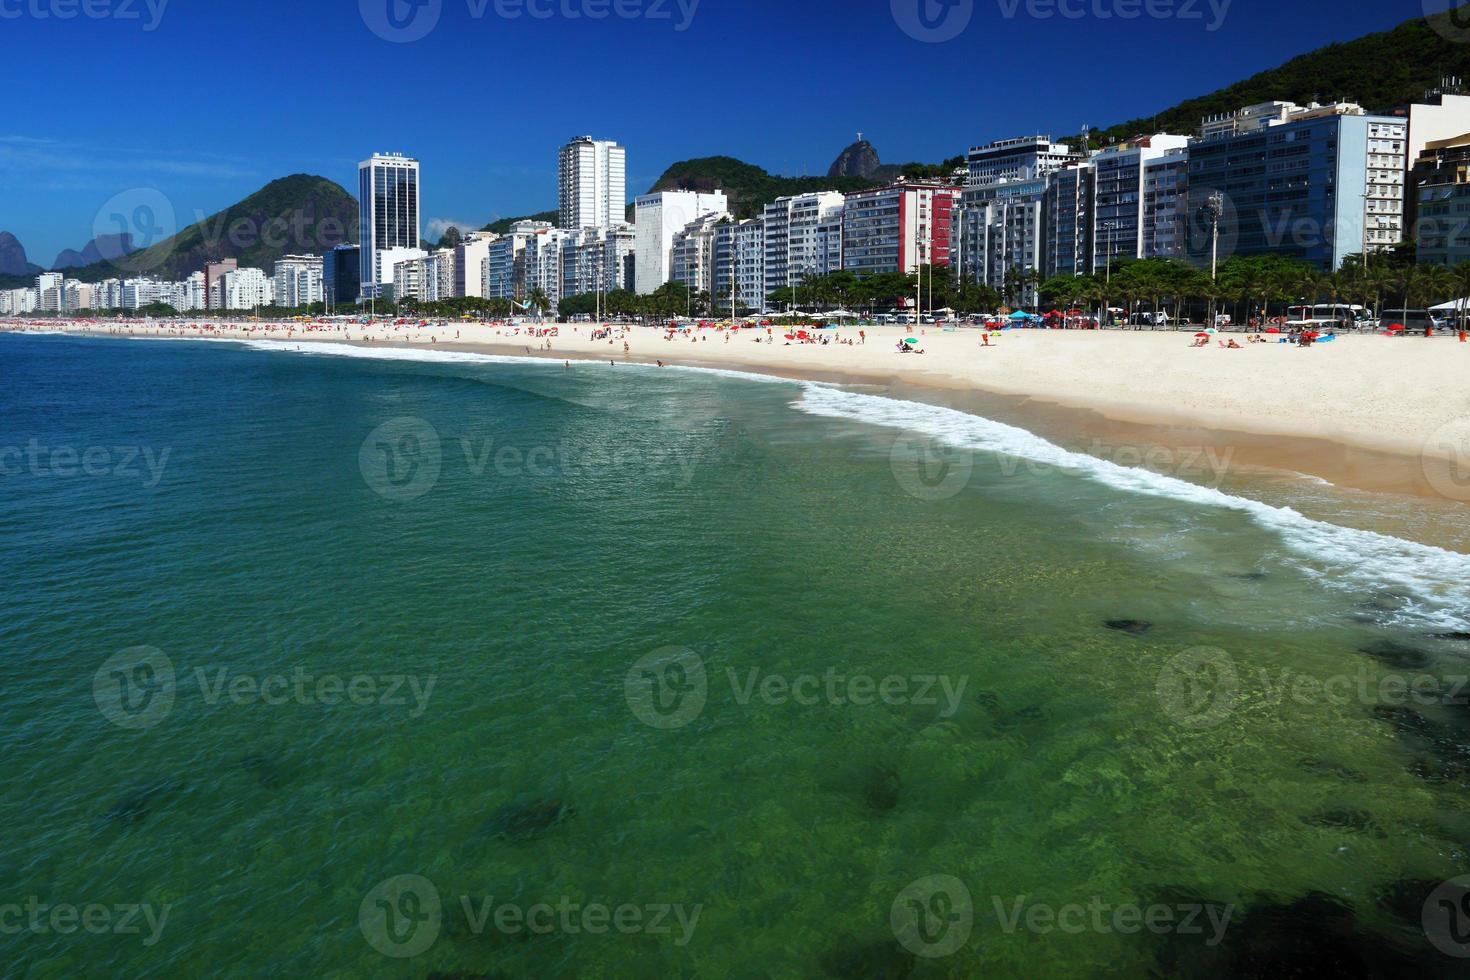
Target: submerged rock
(1314, 936)
(522, 821)
(135, 805)
(1133, 627)
(881, 787)
(1404, 900)
(1396, 654)
(1462, 637)
(1358, 821)
(1332, 769)
(875, 961)
(266, 772)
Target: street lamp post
(1214, 206)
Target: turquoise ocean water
(345, 665)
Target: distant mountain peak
(859, 160)
(103, 247)
(13, 261)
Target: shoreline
(1398, 437)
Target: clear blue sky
(218, 98)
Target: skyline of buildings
(1314, 182)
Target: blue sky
(202, 102)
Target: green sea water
(361, 660)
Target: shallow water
(592, 597)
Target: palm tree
(539, 300)
(1461, 274)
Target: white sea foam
(1339, 556)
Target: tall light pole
(1108, 226)
(1214, 206)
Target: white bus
(1329, 315)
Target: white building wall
(659, 217)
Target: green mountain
(749, 187)
(300, 214)
(1378, 71)
(503, 225)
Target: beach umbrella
(911, 340)
(1273, 329)
(1201, 335)
(1395, 327)
(1211, 331)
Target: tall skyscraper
(593, 184)
(388, 212)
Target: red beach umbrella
(1202, 335)
(1395, 327)
(1273, 329)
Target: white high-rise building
(51, 291)
(388, 213)
(469, 263)
(799, 237)
(298, 280)
(247, 288)
(593, 184)
(660, 217)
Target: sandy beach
(1375, 412)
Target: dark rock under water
(1133, 627)
(137, 803)
(523, 821)
(1313, 936)
(1358, 821)
(881, 788)
(875, 961)
(1345, 773)
(1396, 654)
